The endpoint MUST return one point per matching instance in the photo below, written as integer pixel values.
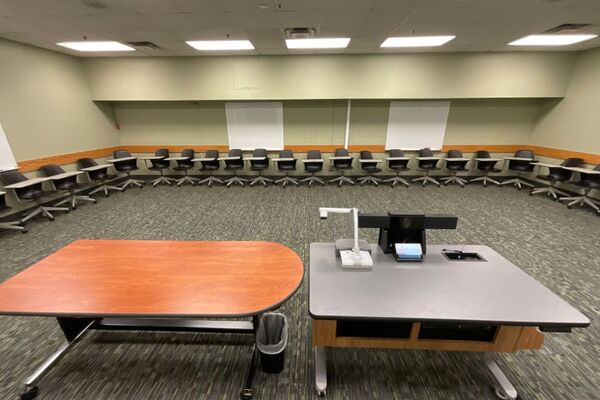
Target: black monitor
(405, 228)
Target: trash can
(271, 341)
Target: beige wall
(460, 75)
(574, 122)
(45, 104)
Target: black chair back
(3, 205)
(286, 165)
(561, 174)
(10, 177)
(162, 163)
(86, 163)
(397, 164)
(97, 175)
(52, 169)
(367, 155)
(314, 166)
(342, 163)
(213, 164)
(522, 166)
(190, 155)
(260, 163)
(455, 165)
(124, 166)
(237, 163)
(485, 166)
(454, 154)
(427, 164)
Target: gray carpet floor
(559, 247)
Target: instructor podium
(460, 298)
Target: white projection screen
(413, 125)
(7, 159)
(257, 124)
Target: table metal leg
(504, 389)
(321, 371)
(73, 329)
(246, 392)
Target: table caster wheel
(321, 393)
(29, 393)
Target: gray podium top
(494, 291)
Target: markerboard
(413, 125)
(257, 124)
(7, 159)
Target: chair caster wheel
(569, 207)
(23, 230)
(52, 219)
(531, 193)
(321, 393)
(246, 394)
(29, 393)
(500, 394)
(554, 199)
(485, 185)
(73, 208)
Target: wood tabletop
(160, 279)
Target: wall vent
(299, 33)
(567, 28)
(144, 45)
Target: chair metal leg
(285, 180)
(426, 179)
(132, 182)
(105, 188)
(13, 225)
(342, 179)
(454, 179)
(396, 180)
(369, 179)
(484, 180)
(210, 180)
(186, 179)
(517, 182)
(235, 181)
(260, 179)
(312, 179)
(320, 371)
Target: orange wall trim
(69, 158)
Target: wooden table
(153, 285)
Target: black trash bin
(271, 341)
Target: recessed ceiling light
(96, 46)
(320, 43)
(416, 41)
(218, 45)
(551, 40)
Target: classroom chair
(185, 165)
(341, 166)
(68, 184)
(160, 165)
(369, 167)
(31, 192)
(486, 167)
(397, 166)
(234, 163)
(588, 182)
(557, 175)
(9, 225)
(520, 167)
(260, 166)
(427, 166)
(287, 164)
(313, 167)
(98, 175)
(210, 164)
(127, 167)
(454, 167)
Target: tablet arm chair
(369, 167)
(210, 165)
(12, 225)
(32, 192)
(397, 166)
(588, 182)
(160, 165)
(127, 167)
(287, 167)
(234, 165)
(68, 184)
(486, 167)
(341, 166)
(99, 175)
(313, 167)
(557, 175)
(185, 166)
(260, 166)
(427, 166)
(454, 167)
(520, 167)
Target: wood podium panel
(141, 278)
(507, 339)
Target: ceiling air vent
(567, 28)
(299, 33)
(144, 45)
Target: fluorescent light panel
(416, 41)
(319, 43)
(219, 45)
(551, 40)
(96, 46)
